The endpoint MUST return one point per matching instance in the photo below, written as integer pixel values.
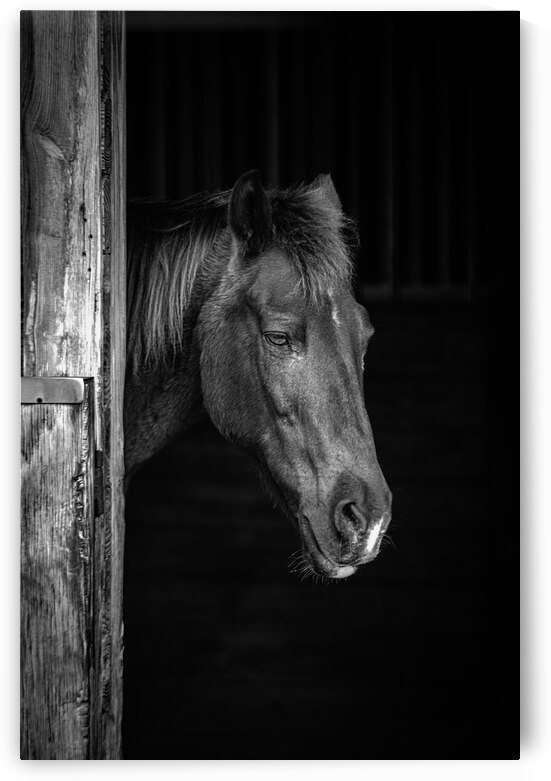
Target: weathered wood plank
(56, 545)
(73, 260)
(60, 186)
(109, 542)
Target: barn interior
(228, 654)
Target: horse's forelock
(172, 244)
(317, 237)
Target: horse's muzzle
(359, 538)
(318, 559)
(353, 540)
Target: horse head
(282, 343)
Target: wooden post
(73, 323)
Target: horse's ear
(324, 183)
(250, 214)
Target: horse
(241, 306)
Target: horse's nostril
(352, 517)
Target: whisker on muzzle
(388, 542)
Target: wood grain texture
(56, 546)
(61, 248)
(109, 548)
(73, 323)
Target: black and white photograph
(269, 400)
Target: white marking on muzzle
(344, 572)
(373, 535)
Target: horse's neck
(162, 401)
(159, 405)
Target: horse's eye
(277, 339)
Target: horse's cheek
(225, 374)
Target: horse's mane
(174, 246)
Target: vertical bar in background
(351, 83)
(471, 165)
(445, 63)
(295, 85)
(389, 270)
(415, 154)
(272, 107)
(236, 103)
(324, 100)
(318, 97)
(185, 118)
(155, 121)
(211, 66)
(200, 103)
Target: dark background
(228, 654)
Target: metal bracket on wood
(52, 390)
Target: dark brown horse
(240, 306)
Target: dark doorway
(228, 654)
